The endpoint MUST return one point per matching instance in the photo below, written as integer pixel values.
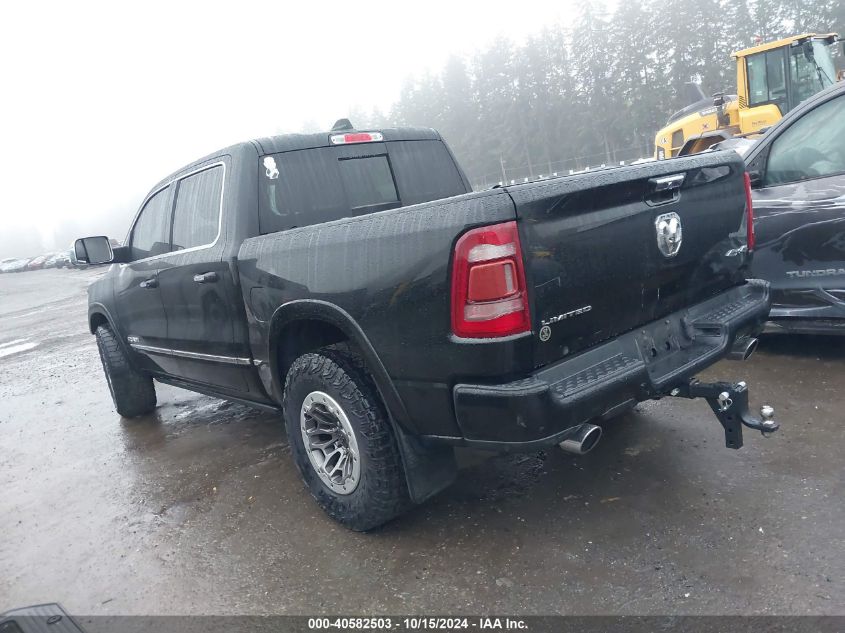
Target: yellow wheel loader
(771, 79)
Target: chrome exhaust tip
(743, 348)
(582, 440)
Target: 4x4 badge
(669, 233)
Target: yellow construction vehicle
(771, 79)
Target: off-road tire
(132, 392)
(381, 493)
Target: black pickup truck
(353, 282)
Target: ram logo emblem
(669, 233)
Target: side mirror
(93, 250)
(755, 178)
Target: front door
(140, 308)
(799, 215)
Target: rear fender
(315, 310)
(428, 469)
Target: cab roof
(292, 142)
(760, 48)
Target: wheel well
(309, 332)
(427, 469)
(300, 337)
(96, 320)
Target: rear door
(800, 212)
(137, 293)
(198, 287)
(611, 250)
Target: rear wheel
(342, 441)
(132, 392)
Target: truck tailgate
(594, 263)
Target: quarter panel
(390, 272)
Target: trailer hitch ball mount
(729, 402)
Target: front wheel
(342, 441)
(132, 392)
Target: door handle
(206, 278)
(664, 189)
(152, 282)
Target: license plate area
(658, 340)
(671, 343)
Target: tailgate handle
(206, 278)
(664, 189)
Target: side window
(150, 235)
(807, 76)
(196, 216)
(811, 147)
(757, 91)
(767, 79)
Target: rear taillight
(489, 297)
(749, 213)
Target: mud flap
(729, 402)
(428, 469)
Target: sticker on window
(271, 171)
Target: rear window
(318, 185)
(424, 171)
(367, 181)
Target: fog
(101, 100)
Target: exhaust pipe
(582, 440)
(743, 348)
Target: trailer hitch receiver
(729, 402)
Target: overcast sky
(99, 101)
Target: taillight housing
(356, 137)
(489, 297)
(749, 213)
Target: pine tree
(461, 111)
(598, 90)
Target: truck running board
(729, 402)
